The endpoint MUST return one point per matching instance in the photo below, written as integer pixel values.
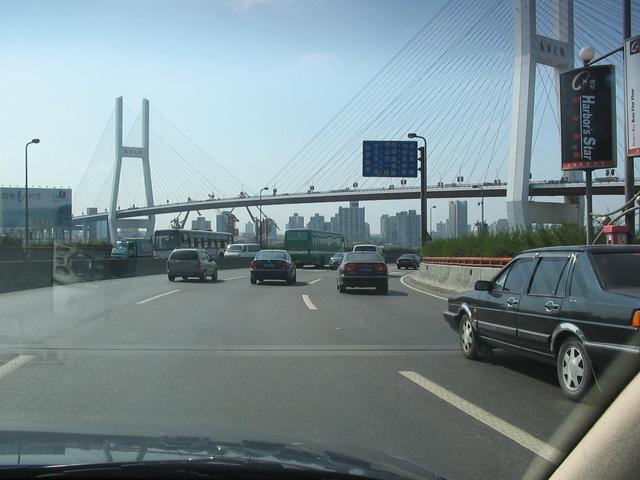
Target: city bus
(165, 241)
(312, 247)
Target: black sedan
(408, 260)
(575, 307)
(363, 269)
(273, 265)
(336, 260)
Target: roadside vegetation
(505, 244)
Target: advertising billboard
(48, 208)
(389, 158)
(588, 115)
(631, 91)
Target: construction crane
(179, 224)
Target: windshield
(271, 255)
(184, 255)
(183, 184)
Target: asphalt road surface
(143, 355)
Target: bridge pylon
(123, 152)
(532, 49)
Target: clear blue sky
(249, 81)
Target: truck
(132, 248)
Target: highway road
(143, 355)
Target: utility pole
(629, 180)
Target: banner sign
(631, 91)
(389, 159)
(48, 208)
(588, 116)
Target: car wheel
(295, 277)
(383, 290)
(184, 278)
(342, 288)
(468, 341)
(203, 276)
(252, 280)
(172, 278)
(214, 277)
(574, 369)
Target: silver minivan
(242, 250)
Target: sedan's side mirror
(482, 286)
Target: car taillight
(380, 267)
(348, 267)
(254, 264)
(284, 264)
(635, 320)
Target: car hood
(31, 448)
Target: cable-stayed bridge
(478, 80)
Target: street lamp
(423, 191)
(26, 191)
(482, 206)
(260, 208)
(431, 218)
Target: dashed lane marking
(235, 278)
(510, 431)
(146, 300)
(314, 281)
(308, 302)
(14, 364)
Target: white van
(369, 248)
(242, 250)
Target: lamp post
(431, 218)
(260, 208)
(26, 190)
(482, 206)
(423, 191)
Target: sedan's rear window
(365, 248)
(363, 257)
(619, 270)
(271, 256)
(184, 255)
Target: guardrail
(469, 261)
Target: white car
(369, 248)
(249, 250)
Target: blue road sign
(389, 159)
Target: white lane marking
(418, 290)
(235, 278)
(308, 302)
(14, 364)
(314, 281)
(510, 431)
(157, 296)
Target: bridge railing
(469, 261)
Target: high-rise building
(441, 230)
(367, 232)
(457, 222)
(335, 224)
(201, 223)
(226, 222)
(327, 227)
(351, 222)
(296, 221)
(401, 229)
(316, 222)
(249, 228)
(501, 225)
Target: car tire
(383, 290)
(203, 277)
(342, 288)
(295, 277)
(214, 277)
(172, 278)
(573, 367)
(252, 280)
(468, 340)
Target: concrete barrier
(18, 275)
(452, 278)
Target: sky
(248, 81)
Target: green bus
(312, 247)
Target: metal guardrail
(469, 261)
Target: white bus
(165, 241)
